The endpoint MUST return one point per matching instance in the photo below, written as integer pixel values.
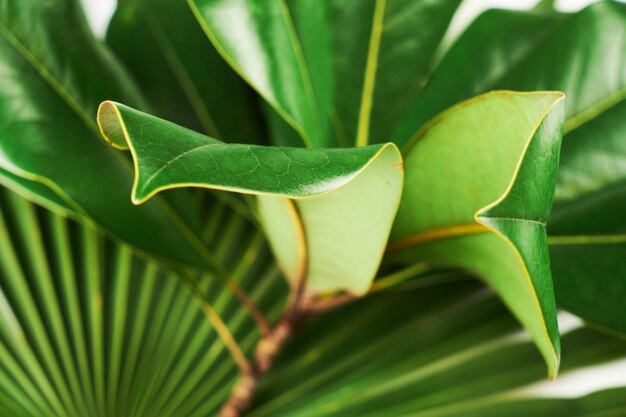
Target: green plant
(352, 173)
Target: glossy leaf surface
(586, 51)
(382, 53)
(339, 72)
(345, 199)
(179, 71)
(260, 42)
(479, 185)
(58, 75)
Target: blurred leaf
(90, 327)
(327, 212)
(180, 72)
(580, 54)
(58, 74)
(479, 185)
(382, 53)
(451, 350)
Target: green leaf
(260, 42)
(450, 350)
(587, 226)
(584, 50)
(588, 277)
(327, 212)
(59, 74)
(85, 319)
(338, 72)
(479, 185)
(382, 53)
(177, 69)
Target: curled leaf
(479, 188)
(327, 212)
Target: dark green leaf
(58, 74)
(180, 72)
(382, 53)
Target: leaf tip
(111, 125)
(553, 368)
(138, 198)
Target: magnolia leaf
(479, 187)
(176, 69)
(587, 224)
(327, 212)
(260, 42)
(382, 53)
(50, 147)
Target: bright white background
(573, 384)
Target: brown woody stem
(266, 351)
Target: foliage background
(580, 383)
(575, 384)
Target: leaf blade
(587, 49)
(353, 193)
(487, 214)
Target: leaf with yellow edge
(327, 212)
(480, 181)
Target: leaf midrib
(475, 229)
(450, 232)
(168, 163)
(369, 79)
(583, 239)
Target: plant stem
(295, 312)
(264, 355)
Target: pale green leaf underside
(480, 182)
(345, 199)
(345, 231)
